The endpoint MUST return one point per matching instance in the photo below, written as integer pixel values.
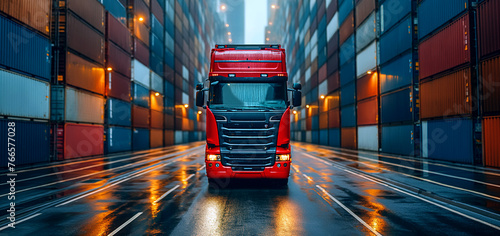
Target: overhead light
(157, 94)
(267, 39)
(228, 33)
(199, 112)
(223, 7)
(227, 25)
(294, 112)
(141, 19)
(322, 96)
(307, 106)
(273, 6)
(369, 72)
(186, 105)
(230, 40)
(109, 69)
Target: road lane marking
(125, 224)
(167, 193)
(20, 221)
(349, 211)
(381, 182)
(201, 168)
(189, 177)
(295, 168)
(307, 177)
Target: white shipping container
(368, 138)
(156, 82)
(367, 59)
(140, 73)
(23, 96)
(308, 136)
(82, 106)
(332, 27)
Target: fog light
(279, 165)
(284, 165)
(283, 157)
(217, 165)
(210, 164)
(213, 157)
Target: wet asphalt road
(330, 192)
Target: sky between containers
(255, 21)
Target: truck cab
(248, 113)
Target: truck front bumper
(219, 171)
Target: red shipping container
(446, 96)
(332, 64)
(168, 137)
(333, 81)
(156, 119)
(348, 138)
(156, 138)
(141, 52)
(82, 140)
(346, 29)
(308, 123)
(118, 60)
(488, 18)
(323, 120)
(446, 49)
(84, 74)
(84, 39)
(491, 139)
(363, 10)
(117, 86)
(156, 102)
(334, 118)
(140, 117)
(168, 121)
(157, 11)
(118, 33)
(141, 10)
(90, 11)
(322, 74)
(35, 13)
(490, 73)
(368, 112)
(141, 32)
(367, 86)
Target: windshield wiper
(264, 107)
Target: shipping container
(348, 94)
(366, 32)
(347, 72)
(140, 139)
(157, 11)
(491, 149)
(23, 96)
(83, 106)
(368, 138)
(140, 73)
(448, 140)
(447, 49)
(141, 52)
(363, 10)
(446, 96)
(118, 86)
(346, 29)
(156, 138)
(34, 13)
(368, 111)
(168, 137)
(367, 86)
(117, 59)
(332, 64)
(490, 73)
(118, 112)
(347, 50)
(156, 119)
(348, 136)
(91, 11)
(396, 106)
(348, 116)
(168, 121)
(434, 13)
(117, 9)
(29, 53)
(140, 95)
(156, 102)
(141, 10)
(81, 140)
(323, 137)
(345, 10)
(396, 41)
(118, 139)
(156, 82)
(334, 118)
(140, 117)
(334, 137)
(84, 39)
(141, 33)
(488, 23)
(397, 139)
(391, 12)
(84, 74)
(366, 60)
(333, 81)
(396, 74)
(32, 140)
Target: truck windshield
(248, 96)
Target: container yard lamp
(141, 19)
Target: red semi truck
(248, 113)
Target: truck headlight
(283, 157)
(213, 157)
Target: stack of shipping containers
(24, 79)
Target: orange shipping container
(446, 96)
(35, 13)
(490, 72)
(156, 119)
(491, 139)
(346, 29)
(168, 137)
(156, 138)
(348, 136)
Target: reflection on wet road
(330, 192)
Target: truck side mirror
(297, 86)
(200, 97)
(199, 86)
(296, 98)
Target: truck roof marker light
(232, 75)
(263, 75)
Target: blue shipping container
(334, 137)
(116, 9)
(434, 13)
(395, 41)
(140, 95)
(344, 9)
(366, 33)
(348, 116)
(118, 112)
(323, 137)
(157, 28)
(347, 94)
(23, 50)
(347, 50)
(391, 12)
(315, 137)
(140, 139)
(32, 142)
(315, 122)
(157, 46)
(395, 107)
(448, 140)
(348, 72)
(156, 63)
(118, 139)
(397, 139)
(396, 74)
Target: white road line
(20, 221)
(295, 168)
(201, 168)
(307, 177)
(167, 193)
(189, 177)
(319, 159)
(125, 224)
(349, 211)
